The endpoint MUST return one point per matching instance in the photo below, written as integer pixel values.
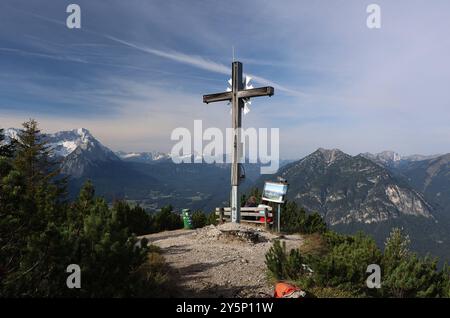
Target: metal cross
(237, 96)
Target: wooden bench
(248, 215)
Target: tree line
(42, 233)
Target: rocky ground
(223, 261)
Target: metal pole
(279, 218)
(236, 112)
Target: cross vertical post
(236, 96)
(236, 114)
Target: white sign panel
(274, 192)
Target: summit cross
(237, 95)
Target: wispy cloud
(42, 55)
(180, 57)
(200, 62)
(337, 83)
(196, 61)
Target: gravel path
(223, 261)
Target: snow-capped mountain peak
(390, 158)
(78, 148)
(384, 158)
(389, 155)
(63, 143)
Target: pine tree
(445, 281)
(283, 265)
(346, 263)
(413, 277)
(199, 219)
(135, 218)
(14, 225)
(276, 260)
(101, 239)
(167, 220)
(407, 275)
(6, 149)
(295, 220)
(396, 250)
(31, 214)
(40, 235)
(11, 219)
(33, 156)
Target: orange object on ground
(285, 290)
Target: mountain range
(368, 192)
(150, 179)
(375, 192)
(346, 189)
(391, 159)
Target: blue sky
(137, 69)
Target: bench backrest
(254, 212)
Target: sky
(136, 70)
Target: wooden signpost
(237, 96)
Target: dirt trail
(223, 261)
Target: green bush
(167, 220)
(333, 239)
(396, 250)
(135, 218)
(413, 277)
(296, 220)
(408, 275)
(199, 219)
(341, 270)
(445, 282)
(314, 224)
(346, 264)
(212, 219)
(283, 265)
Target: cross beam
(237, 96)
(246, 93)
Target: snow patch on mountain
(10, 133)
(63, 143)
(143, 156)
(391, 158)
(78, 148)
